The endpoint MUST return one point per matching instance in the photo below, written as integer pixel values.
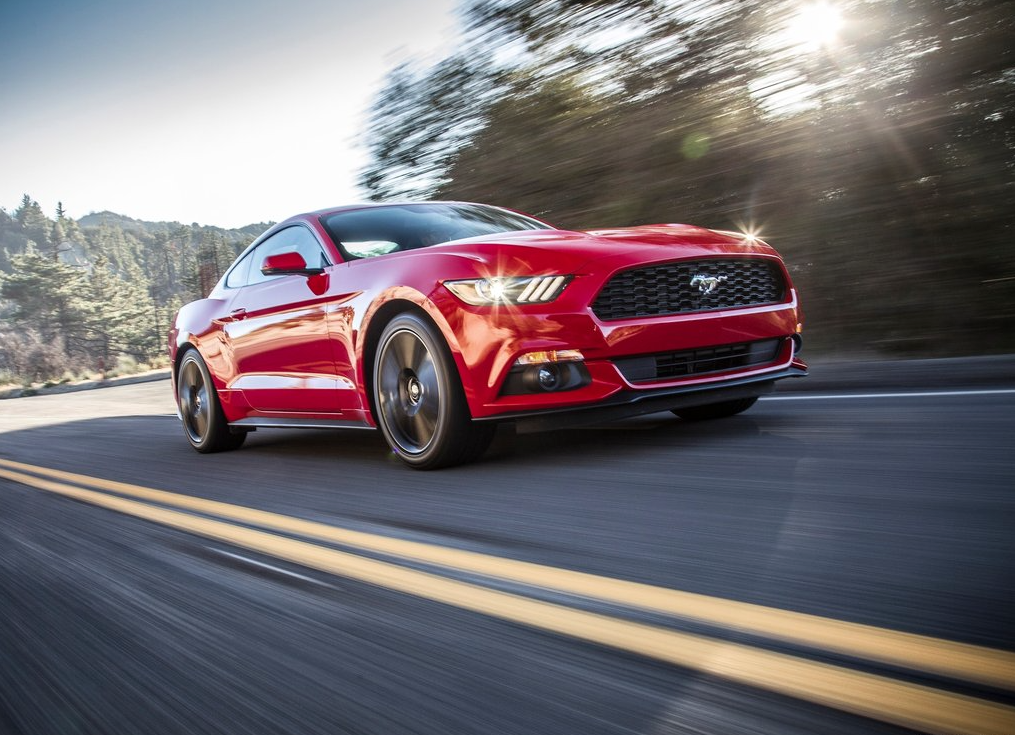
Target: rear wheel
(203, 421)
(421, 408)
(715, 410)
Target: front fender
(382, 309)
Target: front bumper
(628, 403)
(615, 356)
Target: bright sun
(815, 26)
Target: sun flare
(815, 26)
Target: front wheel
(421, 407)
(203, 421)
(715, 410)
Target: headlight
(509, 290)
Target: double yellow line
(910, 705)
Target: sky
(220, 112)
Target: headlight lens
(509, 289)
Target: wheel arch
(180, 349)
(380, 319)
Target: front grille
(669, 365)
(666, 289)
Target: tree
(100, 289)
(35, 225)
(420, 119)
(880, 163)
(46, 297)
(117, 316)
(213, 257)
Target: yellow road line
(977, 664)
(908, 705)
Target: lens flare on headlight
(509, 289)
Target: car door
(277, 332)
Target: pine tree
(36, 226)
(46, 297)
(119, 316)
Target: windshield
(363, 233)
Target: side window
(291, 239)
(238, 275)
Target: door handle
(237, 314)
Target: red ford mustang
(435, 321)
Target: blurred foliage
(97, 294)
(878, 158)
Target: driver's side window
(292, 239)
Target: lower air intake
(670, 365)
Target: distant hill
(129, 224)
(175, 262)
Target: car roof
(377, 205)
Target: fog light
(549, 377)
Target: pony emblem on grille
(707, 284)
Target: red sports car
(437, 320)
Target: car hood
(574, 251)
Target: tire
(715, 410)
(420, 404)
(204, 424)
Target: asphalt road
(122, 612)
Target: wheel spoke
(201, 412)
(408, 391)
(427, 375)
(390, 372)
(403, 423)
(402, 346)
(186, 379)
(430, 404)
(195, 404)
(423, 425)
(418, 354)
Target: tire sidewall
(214, 411)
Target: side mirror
(288, 264)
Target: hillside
(112, 219)
(85, 294)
